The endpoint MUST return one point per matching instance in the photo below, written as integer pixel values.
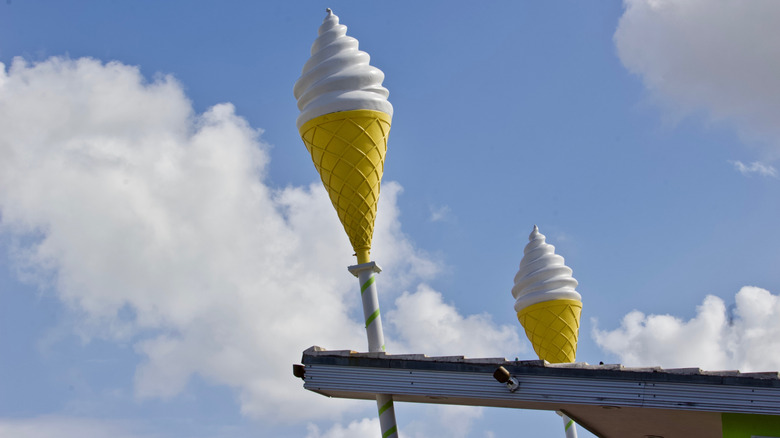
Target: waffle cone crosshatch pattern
(348, 149)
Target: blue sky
(166, 252)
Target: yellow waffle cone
(348, 149)
(553, 328)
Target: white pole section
(366, 274)
(568, 425)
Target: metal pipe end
(299, 371)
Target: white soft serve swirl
(542, 276)
(338, 76)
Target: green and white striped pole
(568, 425)
(366, 274)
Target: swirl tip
(329, 11)
(536, 234)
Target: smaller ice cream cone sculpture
(547, 304)
(344, 122)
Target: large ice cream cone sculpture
(344, 123)
(547, 304)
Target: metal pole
(366, 274)
(568, 425)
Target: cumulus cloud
(439, 212)
(755, 168)
(450, 420)
(67, 427)
(426, 324)
(156, 225)
(720, 57)
(715, 339)
(440, 420)
(355, 429)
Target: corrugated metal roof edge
(318, 355)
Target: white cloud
(716, 56)
(748, 340)
(439, 420)
(355, 429)
(426, 324)
(755, 167)
(153, 225)
(439, 212)
(445, 420)
(67, 427)
(393, 249)
(457, 421)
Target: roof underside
(608, 400)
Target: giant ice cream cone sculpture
(344, 123)
(547, 304)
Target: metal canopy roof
(609, 400)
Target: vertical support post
(366, 274)
(569, 426)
